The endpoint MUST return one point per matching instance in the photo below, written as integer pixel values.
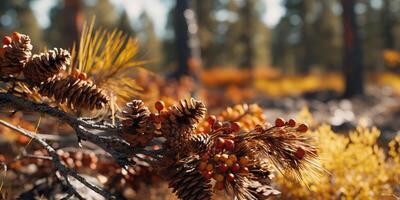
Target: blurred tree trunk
(248, 33)
(187, 42)
(73, 21)
(388, 24)
(352, 58)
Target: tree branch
(64, 171)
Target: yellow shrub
(357, 168)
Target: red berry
(211, 119)
(291, 123)
(217, 125)
(205, 157)
(229, 145)
(208, 175)
(16, 36)
(220, 143)
(235, 126)
(230, 178)
(300, 153)
(302, 128)
(223, 168)
(227, 125)
(235, 168)
(7, 40)
(279, 122)
(159, 105)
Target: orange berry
(230, 178)
(233, 157)
(235, 168)
(302, 128)
(16, 36)
(23, 139)
(217, 157)
(159, 105)
(75, 72)
(223, 168)
(82, 76)
(244, 170)
(219, 177)
(209, 167)
(279, 122)
(229, 145)
(229, 163)
(202, 166)
(7, 40)
(211, 119)
(300, 153)
(244, 160)
(235, 126)
(291, 123)
(219, 185)
(224, 157)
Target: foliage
(108, 57)
(357, 167)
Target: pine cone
(189, 112)
(16, 55)
(46, 65)
(75, 92)
(136, 117)
(187, 182)
(200, 143)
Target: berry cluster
(76, 73)
(224, 165)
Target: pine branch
(61, 168)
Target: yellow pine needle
(108, 58)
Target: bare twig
(65, 171)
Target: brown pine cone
(15, 55)
(46, 65)
(187, 182)
(200, 143)
(189, 112)
(74, 92)
(136, 117)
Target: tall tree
(352, 59)
(66, 23)
(149, 42)
(248, 33)
(187, 43)
(205, 10)
(388, 23)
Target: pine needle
(108, 57)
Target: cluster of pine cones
(47, 73)
(226, 157)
